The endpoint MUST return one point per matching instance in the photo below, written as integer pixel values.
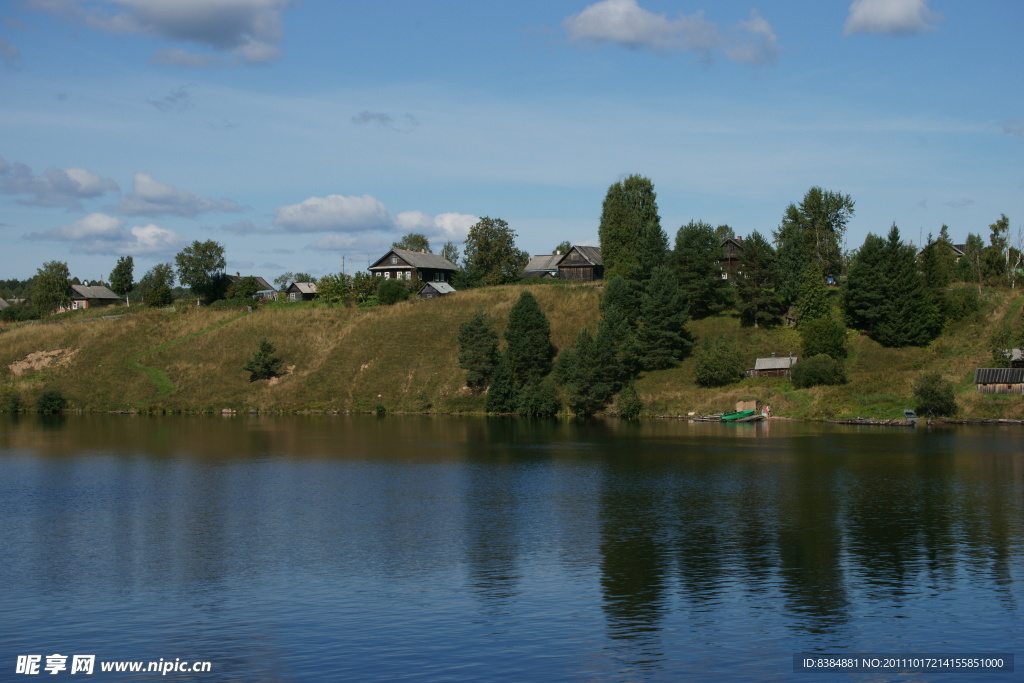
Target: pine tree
(478, 350)
(696, 263)
(864, 291)
(813, 303)
(587, 371)
(759, 302)
(938, 261)
(503, 395)
(620, 310)
(539, 399)
(909, 316)
(263, 364)
(629, 209)
(661, 338)
(528, 350)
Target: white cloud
(178, 57)
(624, 22)
(150, 197)
(56, 187)
(99, 233)
(334, 213)
(247, 29)
(890, 17)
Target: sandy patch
(277, 378)
(39, 360)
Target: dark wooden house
(999, 380)
(433, 290)
(772, 367)
(403, 264)
(732, 248)
(581, 263)
(301, 291)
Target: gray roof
(999, 376)
(418, 259)
(303, 287)
(1014, 355)
(441, 287)
(591, 254)
(544, 263)
(3, 304)
(261, 284)
(92, 292)
(775, 363)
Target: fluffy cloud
(334, 213)
(890, 17)
(178, 57)
(624, 22)
(150, 197)
(56, 187)
(99, 233)
(445, 227)
(247, 29)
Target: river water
(450, 549)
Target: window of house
(387, 275)
(394, 260)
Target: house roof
(3, 304)
(1014, 355)
(543, 263)
(775, 363)
(417, 259)
(303, 287)
(81, 292)
(999, 376)
(261, 284)
(591, 254)
(738, 241)
(441, 287)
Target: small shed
(772, 367)
(999, 380)
(433, 290)
(301, 291)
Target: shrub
(391, 292)
(934, 396)
(823, 336)
(10, 402)
(961, 303)
(51, 401)
(18, 313)
(160, 296)
(539, 399)
(628, 404)
(263, 364)
(718, 362)
(819, 370)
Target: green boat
(738, 415)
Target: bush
(391, 292)
(935, 397)
(539, 399)
(263, 364)
(51, 401)
(819, 370)
(160, 296)
(718, 362)
(628, 405)
(10, 402)
(961, 303)
(823, 336)
(18, 313)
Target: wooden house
(999, 380)
(403, 264)
(261, 284)
(84, 296)
(732, 248)
(581, 263)
(772, 367)
(1015, 356)
(433, 290)
(301, 291)
(545, 266)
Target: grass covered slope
(404, 357)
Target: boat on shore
(742, 416)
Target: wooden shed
(433, 290)
(301, 291)
(999, 380)
(772, 367)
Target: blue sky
(301, 133)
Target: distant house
(545, 266)
(261, 284)
(772, 367)
(732, 248)
(957, 249)
(999, 380)
(301, 291)
(407, 265)
(85, 296)
(1015, 356)
(3, 304)
(581, 263)
(433, 290)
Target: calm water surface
(444, 549)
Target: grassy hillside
(404, 358)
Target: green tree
(588, 372)
(969, 267)
(628, 404)
(909, 316)
(450, 252)
(935, 397)
(717, 362)
(938, 261)
(759, 302)
(824, 335)
(333, 288)
(502, 395)
(491, 256)
(201, 268)
(414, 241)
(812, 232)
(630, 209)
(563, 247)
(865, 290)
(122, 278)
(528, 350)
(285, 279)
(51, 401)
(155, 285)
(51, 288)
(539, 399)
(245, 288)
(661, 337)
(813, 303)
(391, 291)
(263, 364)
(724, 232)
(820, 370)
(696, 262)
(478, 350)
(620, 315)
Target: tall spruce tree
(969, 267)
(588, 372)
(630, 209)
(909, 316)
(696, 263)
(938, 261)
(661, 337)
(759, 302)
(528, 350)
(478, 350)
(620, 312)
(864, 291)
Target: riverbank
(403, 359)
